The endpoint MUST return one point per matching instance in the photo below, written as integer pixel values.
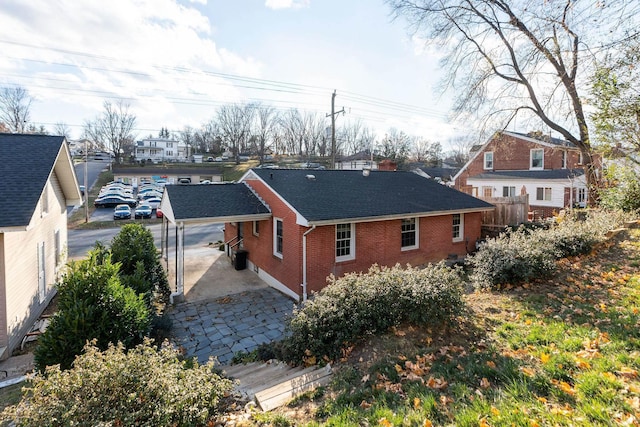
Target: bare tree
(420, 149)
(15, 108)
(235, 126)
(62, 129)
(504, 57)
(395, 145)
(113, 129)
(292, 125)
(266, 121)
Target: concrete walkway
(225, 311)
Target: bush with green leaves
(622, 190)
(133, 247)
(360, 304)
(526, 254)
(144, 386)
(92, 304)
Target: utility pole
(333, 128)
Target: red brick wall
(511, 153)
(375, 243)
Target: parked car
(159, 213)
(205, 182)
(122, 212)
(154, 202)
(143, 211)
(82, 189)
(149, 195)
(209, 159)
(112, 201)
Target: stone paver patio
(229, 324)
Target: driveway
(225, 310)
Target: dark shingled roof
(26, 161)
(531, 174)
(340, 194)
(213, 201)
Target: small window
(487, 192)
(277, 237)
(409, 234)
(564, 159)
(345, 245)
(256, 228)
(458, 227)
(581, 158)
(582, 196)
(537, 158)
(488, 160)
(508, 191)
(543, 193)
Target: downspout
(304, 262)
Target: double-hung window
(345, 242)
(457, 231)
(543, 193)
(409, 234)
(508, 191)
(277, 237)
(488, 160)
(537, 158)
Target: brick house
(38, 184)
(549, 170)
(299, 226)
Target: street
(81, 241)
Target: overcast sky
(176, 61)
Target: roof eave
(221, 219)
(396, 216)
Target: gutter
(304, 262)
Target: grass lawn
(562, 352)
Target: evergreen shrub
(144, 386)
(361, 304)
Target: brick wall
(375, 243)
(511, 153)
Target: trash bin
(241, 259)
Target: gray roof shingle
(546, 174)
(340, 194)
(26, 161)
(213, 201)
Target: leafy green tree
(622, 188)
(140, 269)
(144, 386)
(92, 304)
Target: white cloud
(287, 4)
(80, 52)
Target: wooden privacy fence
(508, 211)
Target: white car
(154, 202)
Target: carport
(184, 205)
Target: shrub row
(524, 254)
(359, 304)
(144, 386)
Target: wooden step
(281, 393)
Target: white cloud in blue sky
(286, 4)
(176, 61)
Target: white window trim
(531, 159)
(460, 238)
(484, 164)
(417, 231)
(564, 159)
(544, 193)
(275, 237)
(352, 244)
